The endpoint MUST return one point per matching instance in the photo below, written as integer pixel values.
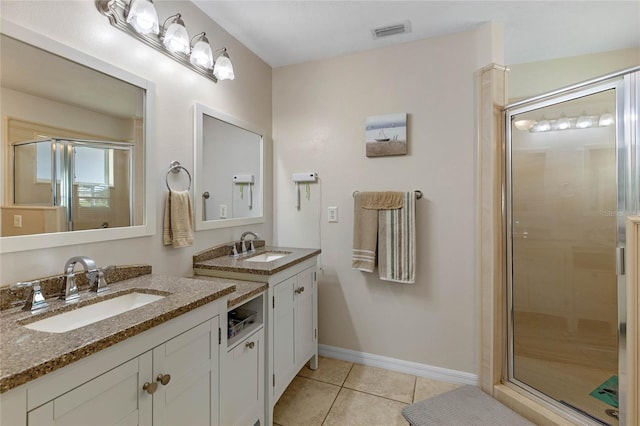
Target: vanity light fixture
(563, 123)
(139, 19)
(542, 126)
(606, 119)
(583, 121)
(201, 53)
(223, 68)
(174, 36)
(142, 16)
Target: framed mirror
(229, 164)
(74, 146)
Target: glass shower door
(563, 188)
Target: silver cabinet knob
(299, 290)
(250, 345)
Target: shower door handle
(620, 266)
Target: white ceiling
(289, 32)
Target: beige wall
(319, 111)
(535, 78)
(79, 25)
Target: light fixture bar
(115, 10)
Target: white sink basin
(89, 314)
(266, 257)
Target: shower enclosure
(90, 180)
(572, 175)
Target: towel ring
(175, 167)
(417, 191)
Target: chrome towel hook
(175, 167)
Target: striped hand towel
(397, 242)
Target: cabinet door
(284, 361)
(242, 397)
(115, 397)
(305, 311)
(190, 397)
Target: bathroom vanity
(150, 365)
(287, 312)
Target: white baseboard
(409, 367)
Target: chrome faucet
(242, 237)
(71, 289)
(35, 300)
(99, 284)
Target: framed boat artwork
(386, 135)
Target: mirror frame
(198, 160)
(58, 239)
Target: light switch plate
(223, 211)
(17, 220)
(332, 214)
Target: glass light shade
(543, 126)
(176, 38)
(584, 122)
(524, 124)
(563, 123)
(142, 16)
(201, 54)
(223, 69)
(606, 120)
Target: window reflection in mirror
(229, 164)
(73, 145)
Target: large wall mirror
(75, 138)
(228, 161)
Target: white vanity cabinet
(290, 329)
(242, 371)
(168, 375)
(293, 328)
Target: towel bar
(175, 167)
(417, 191)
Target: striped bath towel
(365, 229)
(397, 242)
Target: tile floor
(344, 393)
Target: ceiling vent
(388, 30)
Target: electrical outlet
(17, 220)
(223, 211)
(332, 214)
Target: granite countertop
(28, 354)
(224, 262)
(245, 290)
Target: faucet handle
(99, 284)
(35, 301)
(234, 249)
(252, 247)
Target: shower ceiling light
(139, 19)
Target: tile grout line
(337, 394)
